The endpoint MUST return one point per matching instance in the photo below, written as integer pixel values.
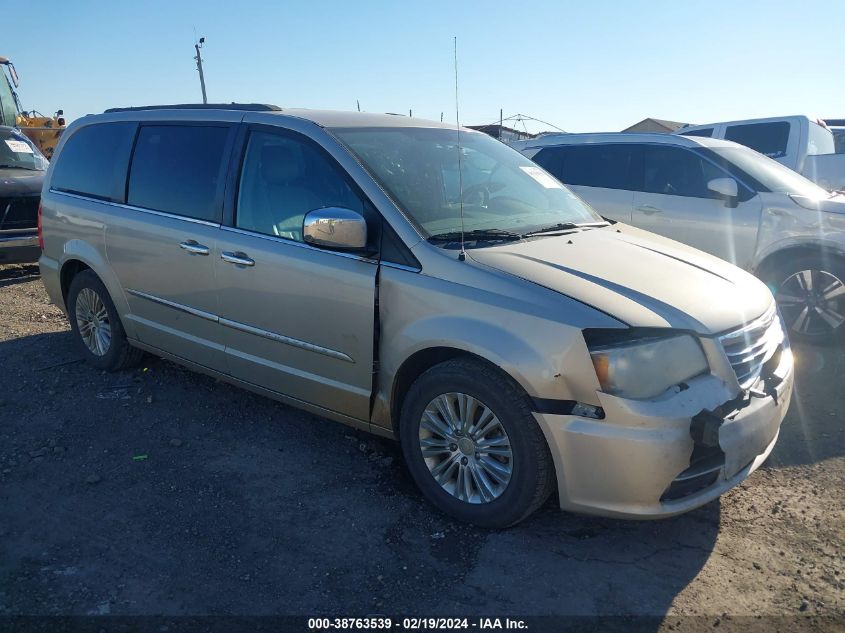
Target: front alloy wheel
(473, 445)
(466, 448)
(811, 302)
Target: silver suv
(723, 198)
(425, 284)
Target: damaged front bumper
(659, 458)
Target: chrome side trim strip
(176, 306)
(282, 240)
(287, 340)
(243, 327)
(129, 207)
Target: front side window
(93, 161)
(18, 152)
(431, 178)
(770, 139)
(179, 169)
(282, 179)
(675, 171)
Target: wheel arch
(773, 260)
(70, 269)
(78, 256)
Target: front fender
(783, 229)
(547, 357)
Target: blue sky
(582, 66)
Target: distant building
(655, 125)
(502, 132)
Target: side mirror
(335, 227)
(725, 188)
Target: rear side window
(605, 166)
(770, 139)
(179, 169)
(707, 131)
(93, 161)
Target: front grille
(19, 213)
(749, 347)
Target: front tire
(96, 325)
(472, 445)
(810, 292)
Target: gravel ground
(160, 491)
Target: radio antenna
(463, 254)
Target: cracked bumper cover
(621, 465)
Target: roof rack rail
(251, 107)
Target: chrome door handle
(648, 209)
(237, 258)
(194, 248)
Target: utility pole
(198, 46)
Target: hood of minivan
(638, 277)
(20, 182)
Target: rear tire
(96, 325)
(486, 460)
(810, 292)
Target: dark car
(22, 169)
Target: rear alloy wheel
(812, 302)
(96, 324)
(92, 320)
(472, 444)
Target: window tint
(677, 172)
(178, 169)
(588, 165)
(769, 139)
(93, 161)
(708, 131)
(284, 178)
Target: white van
(803, 145)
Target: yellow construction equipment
(43, 130)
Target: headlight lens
(646, 368)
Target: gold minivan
(425, 283)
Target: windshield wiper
(564, 226)
(477, 235)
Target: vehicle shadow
(18, 273)
(557, 563)
(812, 430)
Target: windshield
(17, 151)
(770, 173)
(502, 190)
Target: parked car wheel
(472, 445)
(810, 292)
(96, 325)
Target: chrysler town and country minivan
(423, 283)
(721, 197)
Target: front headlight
(648, 367)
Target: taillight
(40, 230)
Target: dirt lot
(159, 491)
